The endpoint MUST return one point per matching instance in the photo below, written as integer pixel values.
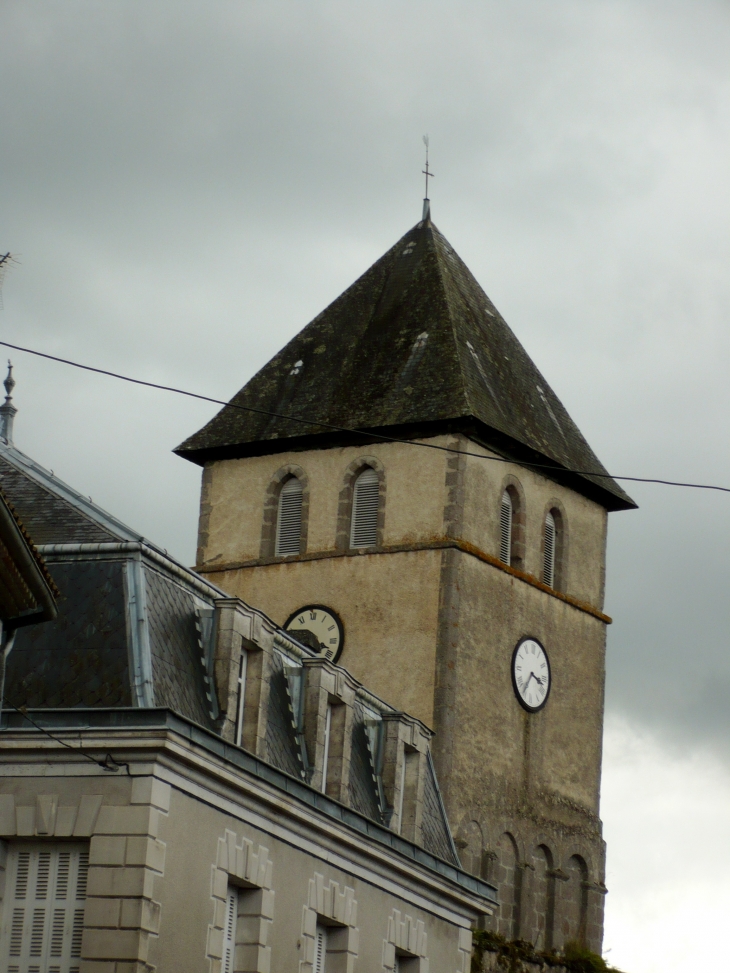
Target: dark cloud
(188, 184)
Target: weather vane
(429, 175)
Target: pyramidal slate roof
(413, 348)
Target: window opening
(326, 756)
(366, 496)
(505, 529)
(320, 950)
(548, 570)
(242, 667)
(229, 933)
(43, 919)
(289, 519)
(401, 798)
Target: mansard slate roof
(27, 590)
(127, 630)
(412, 348)
(135, 629)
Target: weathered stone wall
(431, 620)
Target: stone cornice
(435, 544)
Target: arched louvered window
(289, 519)
(366, 495)
(548, 557)
(505, 529)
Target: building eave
(587, 483)
(133, 734)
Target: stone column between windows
(405, 763)
(238, 630)
(327, 685)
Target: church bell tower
(409, 496)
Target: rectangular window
(229, 932)
(320, 950)
(242, 667)
(43, 910)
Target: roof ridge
(52, 484)
(467, 399)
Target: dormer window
(365, 501)
(289, 519)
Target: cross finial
(7, 409)
(429, 175)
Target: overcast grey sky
(188, 184)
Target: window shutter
(289, 519)
(44, 909)
(364, 530)
(229, 933)
(548, 568)
(320, 950)
(505, 529)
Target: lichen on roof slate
(414, 342)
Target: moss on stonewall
(511, 954)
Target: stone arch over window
(331, 907)
(507, 876)
(511, 540)
(575, 900)
(471, 843)
(246, 870)
(406, 944)
(543, 897)
(554, 546)
(272, 505)
(346, 505)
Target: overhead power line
(370, 436)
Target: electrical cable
(108, 764)
(371, 436)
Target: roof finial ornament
(429, 175)
(7, 410)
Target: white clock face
(323, 624)
(531, 674)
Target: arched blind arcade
(364, 528)
(505, 529)
(289, 519)
(548, 568)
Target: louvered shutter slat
(365, 502)
(549, 552)
(505, 529)
(289, 519)
(229, 933)
(320, 950)
(44, 910)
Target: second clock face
(322, 625)
(531, 674)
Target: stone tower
(461, 579)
